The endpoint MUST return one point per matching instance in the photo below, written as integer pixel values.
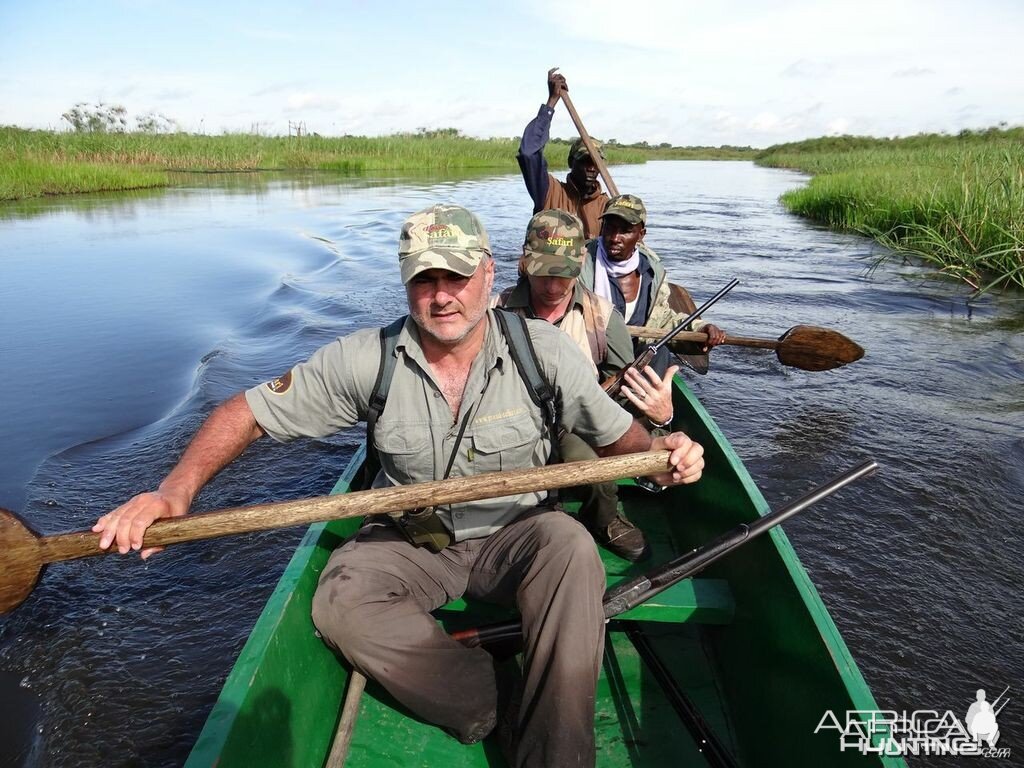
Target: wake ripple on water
(920, 566)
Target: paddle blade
(21, 561)
(811, 348)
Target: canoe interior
(762, 663)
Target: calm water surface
(126, 318)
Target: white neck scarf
(605, 268)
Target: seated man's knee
(573, 543)
(337, 610)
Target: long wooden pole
(23, 553)
(588, 142)
(262, 517)
(347, 723)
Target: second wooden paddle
(806, 347)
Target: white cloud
(839, 125)
(805, 69)
(913, 72)
(314, 102)
(174, 94)
(681, 71)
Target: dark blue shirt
(531, 156)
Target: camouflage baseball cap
(628, 207)
(554, 245)
(578, 149)
(442, 237)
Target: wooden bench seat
(704, 601)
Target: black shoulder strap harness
(513, 328)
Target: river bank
(36, 163)
(955, 202)
(131, 315)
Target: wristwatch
(663, 424)
(649, 485)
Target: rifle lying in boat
(613, 384)
(632, 593)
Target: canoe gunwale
(214, 739)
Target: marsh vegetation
(35, 163)
(956, 202)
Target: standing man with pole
(580, 193)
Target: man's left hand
(715, 336)
(649, 393)
(687, 459)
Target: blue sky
(685, 72)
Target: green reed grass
(956, 202)
(22, 178)
(34, 163)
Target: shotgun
(622, 597)
(613, 384)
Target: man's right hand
(128, 523)
(556, 84)
(222, 438)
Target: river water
(125, 318)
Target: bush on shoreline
(953, 201)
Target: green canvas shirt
(415, 434)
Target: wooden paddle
(807, 347)
(588, 142)
(24, 553)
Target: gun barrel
(694, 315)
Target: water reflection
(114, 206)
(128, 317)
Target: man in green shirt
(547, 289)
(457, 406)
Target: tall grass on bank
(39, 162)
(956, 202)
(21, 178)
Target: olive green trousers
(598, 502)
(373, 605)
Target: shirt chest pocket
(505, 444)
(405, 451)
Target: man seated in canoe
(580, 193)
(622, 269)
(548, 290)
(458, 407)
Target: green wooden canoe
(748, 646)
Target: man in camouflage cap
(621, 268)
(580, 193)
(456, 406)
(548, 290)
(442, 237)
